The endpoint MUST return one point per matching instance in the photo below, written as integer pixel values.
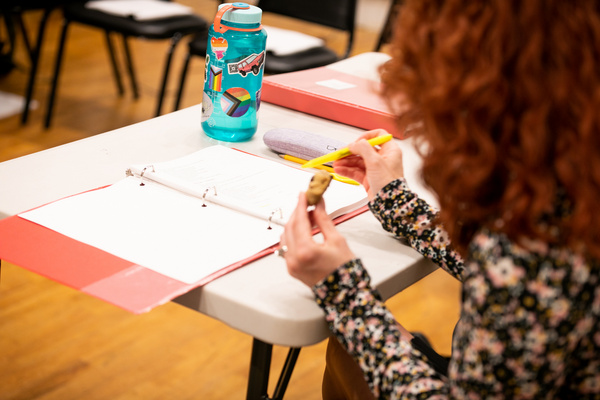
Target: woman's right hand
(372, 167)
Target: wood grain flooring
(59, 344)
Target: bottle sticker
(252, 63)
(235, 102)
(219, 46)
(258, 93)
(206, 62)
(207, 107)
(215, 78)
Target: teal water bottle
(235, 56)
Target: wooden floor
(56, 343)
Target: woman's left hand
(307, 260)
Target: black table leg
(260, 365)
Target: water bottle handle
(223, 28)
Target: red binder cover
(355, 101)
(93, 271)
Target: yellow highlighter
(335, 176)
(345, 152)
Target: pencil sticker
(235, 102)
(219, 46)
(215, 78)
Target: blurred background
(87, 101)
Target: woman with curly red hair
(505, 97)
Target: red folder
(96, 272)
(356, 102)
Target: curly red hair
(508, 95)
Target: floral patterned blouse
(529, 325)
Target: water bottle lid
(242, 13)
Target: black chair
(388, 29)
(13, 11)
(337, 14)
(172, 28)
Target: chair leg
(182, 81)
(18, 17)
(9, 21)
(174, 41)
(55, 77)
(35, 58)
(130, 68)
(113, 61)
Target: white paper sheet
(158, 228)
(249, 183)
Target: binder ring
(272, 214)
(206, 192)
(143, 172)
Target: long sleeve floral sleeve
(529, 326)
(364, 326)
(405, 215)
(360, 320)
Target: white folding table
(259, 299)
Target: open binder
(167, 227)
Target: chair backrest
(386, 34)
(338, 14)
